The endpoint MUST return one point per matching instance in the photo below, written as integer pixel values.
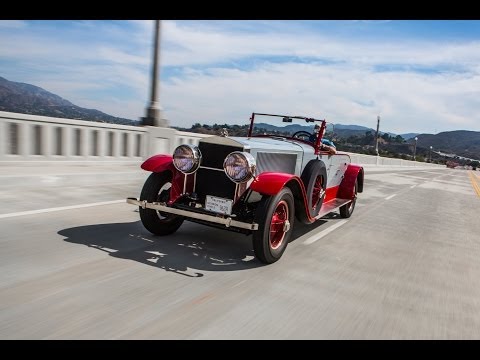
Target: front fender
(347, 186)
(270, 183)
(159, 163)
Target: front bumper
(227, 221)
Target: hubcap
(278, 224)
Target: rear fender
(161, 163)
(347, 186)
(270, 183)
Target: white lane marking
(41, 211)
(239, 283)
(72, 174)
(323, 233)
(411, 187)
(391, 196)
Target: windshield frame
(318, 140)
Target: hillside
(29, 99)
(460, 142)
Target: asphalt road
(404, 266)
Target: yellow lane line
(475, 182)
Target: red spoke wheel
(314, 178)
(347, 209)
(275, 216)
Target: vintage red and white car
(258, 184)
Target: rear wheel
(314, 178)
(275, 216)
(157, 189)
(347, 209)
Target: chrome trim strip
(194, 181)
(218, 220)
(210, 168)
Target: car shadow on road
(300, 229)
(192, 249)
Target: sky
(418, 76)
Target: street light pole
(376, 135)
(154, 111)
(415, 150)
(431, 153)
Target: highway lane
(404, 266)
(39, 186)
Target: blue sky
(419, 76)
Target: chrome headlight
(239, 166)
(186, 158)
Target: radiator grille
(213, 155)
(214, 182)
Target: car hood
(271, 154)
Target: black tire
(347, 209)
(270, 240)
(157, 188)
(302, 135)
(314, 178)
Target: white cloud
(107, 67)
(12, 24)
(188, 45)
(405, 101)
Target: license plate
(218, 205)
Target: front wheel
(347, 209)
(275, 216)
(157, 189)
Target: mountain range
(30, 99)
(342, 131)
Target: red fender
(347, 186)
(160, 163)
(270, 183)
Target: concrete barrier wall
(32, 138)
(373, 160)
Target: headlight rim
(251, 167)
(196, 158)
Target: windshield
(284, 125)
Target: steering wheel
(302, 135)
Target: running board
(331, 206)
(189, 214)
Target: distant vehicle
(258, 185)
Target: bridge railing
(363, 159)
(31, 138)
